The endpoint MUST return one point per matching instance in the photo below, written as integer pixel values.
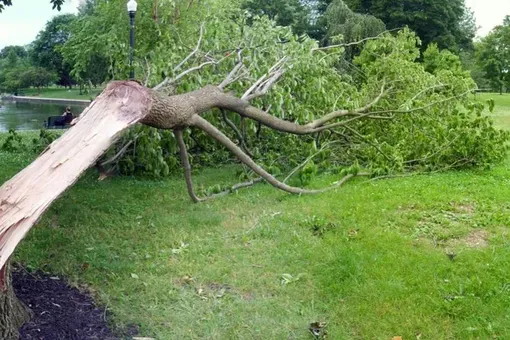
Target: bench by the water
(51, 123)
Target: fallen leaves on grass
(288, 278)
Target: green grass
(501, 113)
(61, 93)
(371, 258)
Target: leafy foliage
(19, 51)
(342, 22)
(493, 54)
(449, 133)
(45, 50)
(16, 71)
(424, 121)
(13, 142)
(292, 13)
(45, 138)
(448, 23)
(13, 62)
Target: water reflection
(28, 116)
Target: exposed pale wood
(25, 197)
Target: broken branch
(243, 157)
(184, 61)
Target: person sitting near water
(66, 118)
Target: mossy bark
(13, 312)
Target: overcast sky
(20, 23)
(489, 13)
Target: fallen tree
(25, 197)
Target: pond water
(29, 116)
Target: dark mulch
(60, 311)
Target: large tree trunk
(25, 197)
(13, 313)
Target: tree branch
(355, 42)
(147, 77)
(337, 114)
(300, 166)
(185, 164)
(184, 61)
(187, 174)
(235, 188)
(193, 69)
(120, 153)
(237, 132)
(264, 83)
(233, 75)
(220, 137)
(243, 108)
(375, 146)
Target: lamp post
(131, 7)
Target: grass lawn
(61, 93)
(419, 257)
(501, 114)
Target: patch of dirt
(60, 311)
(475, 239)
(463, 208)
(446, 224)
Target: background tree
(493, 54)
(17, 71)
(37, 77)
(87, 7)
(90, 67)
(292, 13)
(471, 63)
(449, 24)
(19, 51)
(13, 61)
(346, 26)
(45, 50)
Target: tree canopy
(292, 13)
(210, 36)
(17, 71)
(449, 24)
(45, 50)
(493, 54)
(313, 84)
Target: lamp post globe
(131, 7)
